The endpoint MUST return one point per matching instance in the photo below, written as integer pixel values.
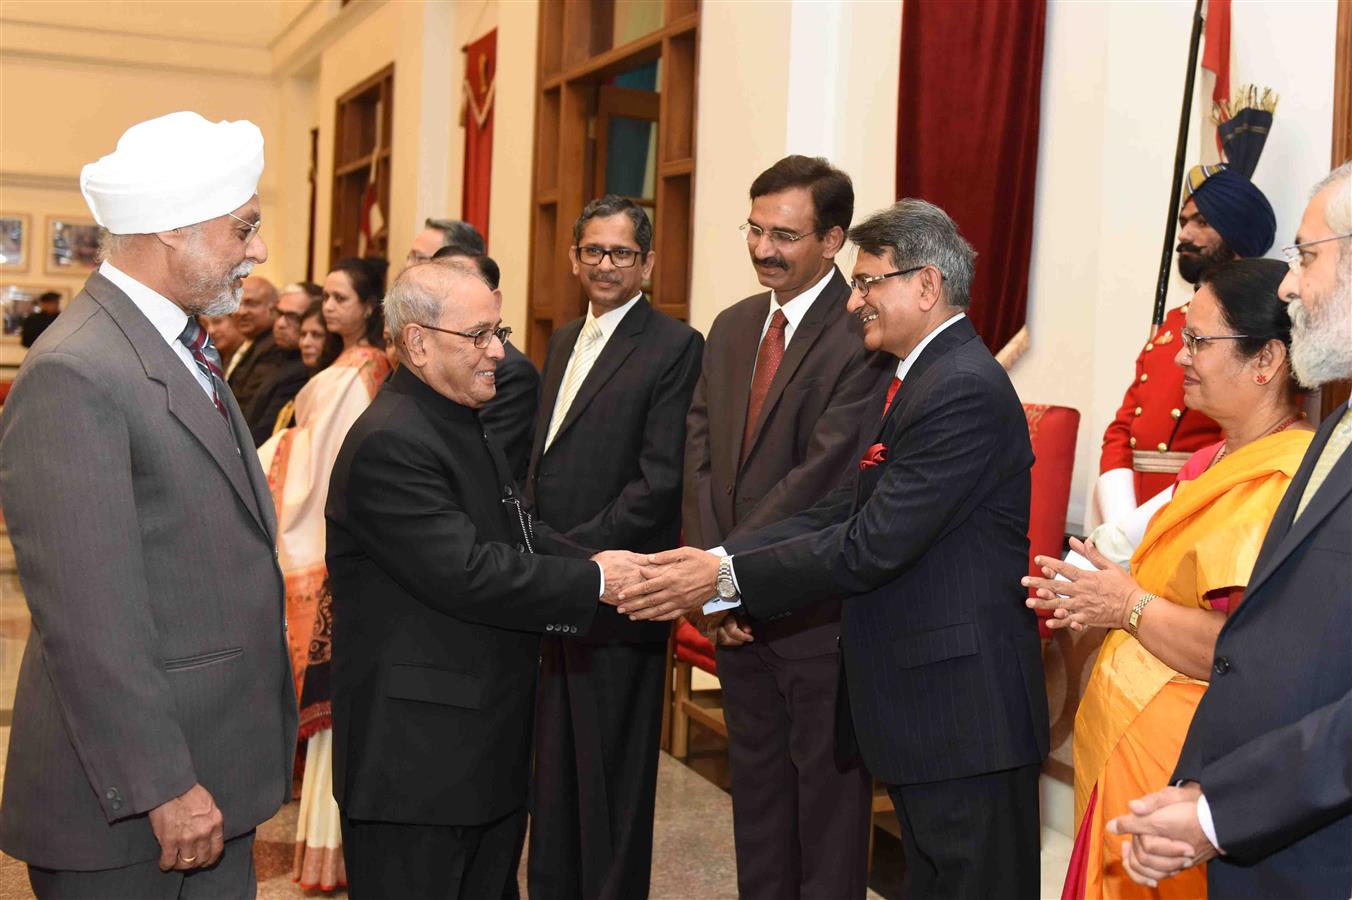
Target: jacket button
(1144, 378)
(1162, 447)
(111, 794)
(549, 628)
(1176, 413)
(520, 548)
(1150, 346)
(728, 490)
(1222, 665)
(1132, 442)
(1138, 410)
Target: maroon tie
(891, 393)
(768, 358)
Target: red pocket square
(875, 454)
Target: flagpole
(1180, 152)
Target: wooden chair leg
(680, 719)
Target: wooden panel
(678, 97)
(551, 38)
(353, 153)
(547, 145)
(676, 10)
(576, 33)
(673, 239)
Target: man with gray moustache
(1263, 788)
(155, 718)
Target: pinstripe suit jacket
(943, 670)
(144, 539)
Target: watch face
(725, 588)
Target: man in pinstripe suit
(942, 690)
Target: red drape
(971, 85)
(481, 63)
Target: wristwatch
(727, 588)
(1134, 619)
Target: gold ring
(187, 859)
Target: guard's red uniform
(1153, 419)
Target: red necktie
(768, 358)
(891, 393)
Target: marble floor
(693, 822)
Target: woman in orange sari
(298, 461)
(1186, 575)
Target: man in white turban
(155, 719)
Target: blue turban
(1235, 208)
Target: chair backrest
(1052, 431)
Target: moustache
(604, 279)
(1189, 248)
(776, 262)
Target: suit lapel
(805, 335)
(743, 347)
(613, 355)
(1285, 535)
(960, 332)
(187, 401)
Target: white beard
(1321, 340)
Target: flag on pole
(372, 220)
(1215, 78)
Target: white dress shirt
(794, 309)
(903, 367)
(610, 320)
(166, 317)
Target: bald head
(257, 307)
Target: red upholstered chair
(693, 651)
(1052, 431)
(4, 390)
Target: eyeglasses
(1193, 341)
(481, 339)
(252, 226)
(620, 257)
(778, 236)
(864, 282)
(1295, 256)
(293, 317)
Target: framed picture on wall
(18, 301)
(16, 233)
(72, 246)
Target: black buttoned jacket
(438, 608)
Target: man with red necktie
(942, 690)
(776, 421)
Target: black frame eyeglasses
(1192, 341)
(864, 282)
(620, 257)
(481, 339)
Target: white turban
(174, 171)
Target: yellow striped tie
(586, 350)
(1332, 452)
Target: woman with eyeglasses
(298, 461)
(1187, 573)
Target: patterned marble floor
(693, 823)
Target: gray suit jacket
(144, 540)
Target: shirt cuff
(1204, 819)
(717, 605)
(600, 568)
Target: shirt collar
(167, 317)
(795, 309)
(905, 365)
(610, 320)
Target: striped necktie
(586, 350)
(1328, 458)
(198, 342)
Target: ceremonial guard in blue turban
(1224, 216)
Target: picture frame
(16, 237)
(18, 300)
(72, 246)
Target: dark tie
(891, 393)
(768, 358)
(198, 342)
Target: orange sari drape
(1136, 710)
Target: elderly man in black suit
(606, 470)
(942, 670)
(1263, 789)
(439, 601)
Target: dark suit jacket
(253, 369)
(1271, 741)
(509, 418)
(144, 540)
(278, 389)
(826, 389)
(612, 478)
(942, 660)
(438, 611)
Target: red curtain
(967, 126)
(481, 64)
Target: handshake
(658, 586)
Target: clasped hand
(190, 830)
(660, 586)
(1101, 597)
(1166, 836)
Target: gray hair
(111, 245)
(916, 233)
(614, 205)
(1338, 213)
(455, 233)
(418, 294)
